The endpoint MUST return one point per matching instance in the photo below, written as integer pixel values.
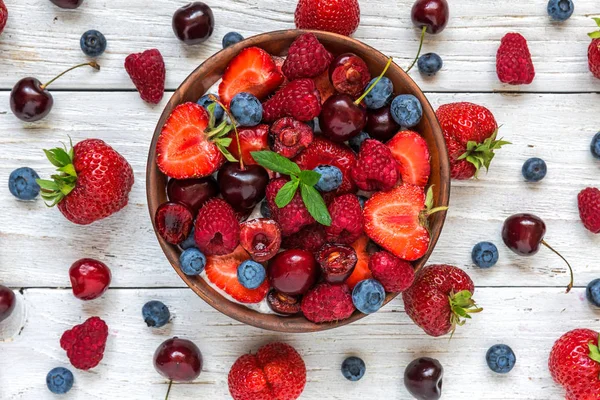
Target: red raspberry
(299, 99)
(292, 217)
(513, 60)
(289, 137)
(147, 71)
(376, 167)
(394, 274)
(276, 372)
(310, 238)
(346, 220)
(593, 57)
(307, 58)
(3, 16)
(326, 303)
(589, 208)
(85, 343)
(217, 231)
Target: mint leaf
(315, 204)
(286, 193)
(310, 177)
(275, 162)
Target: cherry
(243, 187)
(524, 233)
(7, 302)
(173, 222)
(349, 74)
(431, 16)
(178, 360)
(193, 23)
(192, 192)
(282, 303)
(261, 238)
(29, 99)
(89, 278)
(380, 124)
(67, 3)
(293, 271)
(423, 378)
(337, 262)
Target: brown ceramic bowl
(277, 43)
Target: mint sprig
(305, 180)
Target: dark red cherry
(380, 124)
(173, 222)
(282, 303)
(179, 360)
(193, 23)
(433, 14)
(244, 188)
(89, 278)
(293, 271)
(7, 302)
(349, 74)
(337, 262)
(423, 378)
(192, 192)
(261, 237)
(341, 119)
(67, 3)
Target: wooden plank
(468, 45)
(527, 319)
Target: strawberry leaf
(286, 193)
(315, 204)
(597, 21)
(594, 352)
(224, 151)
(594, 35)
(275, 162)
(211, 112)
(309, 177)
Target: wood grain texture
(468, 45)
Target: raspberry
(217, 231)
(299, 99)
(292, 217)
(346, 220)
(147, 71)
(593, 57)
(85, 343)
(394, 274)
(513, 60)
(310, 238)
(376, 168)
(589, 209)
(307, 58)
(326, 302)
(289, 137)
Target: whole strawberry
(513, 60)
(3, 16)
(147, 71)
(470, 132)
(574, 364)
(307, 58)
(593, 51)
(275, 372)
(85, 343)
(589, 209)
(338, 16)
(439, 299)
(94, 181)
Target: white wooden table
(524, 300)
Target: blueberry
(156, 314)
(265, 210)
(406, 110)
(362, 200)
(429, 64)
(331, 178)
(592, 292)
(189, 242)
(485, 254)
(595, 146)
(368, 296)
(22, 184)
(204, 101)
(560, 10)
(251, 274)
(357, 141)
(353, 368)
(231, 38)
(59, 380)
(192, 261)
(380, 95)
(500, 358)
(93, 43)
(534, 170)
(246, 109)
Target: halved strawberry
(255, 138)
(361, 271)
(411, 151)
(222, 271)
(252, 71)
(183, 149)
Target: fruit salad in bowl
(297, 180)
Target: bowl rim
(240, 312)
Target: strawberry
(470, 131)
(361, 270)
(254, 138)
(222, 272)
(299, 99)
(85, 343)
(513, 60)
(307, 58)
(147, 71)
(589, 209)
(412, 154)
(574, 363)
(94, 181)
(3, 16)
(439, 297)
(252, 71)
(593, 50)
(397, 220)
(338, 16)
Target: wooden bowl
(277, 43)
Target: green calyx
(429, 208)
(53, 191)
(218, 134)
(482, 154)
(462, 305)
(594, 352)
(595, 34)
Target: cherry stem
(570, 286)
(92, 64)
(420, 47)
(169, 389)
(387, 66)
(234, 123)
